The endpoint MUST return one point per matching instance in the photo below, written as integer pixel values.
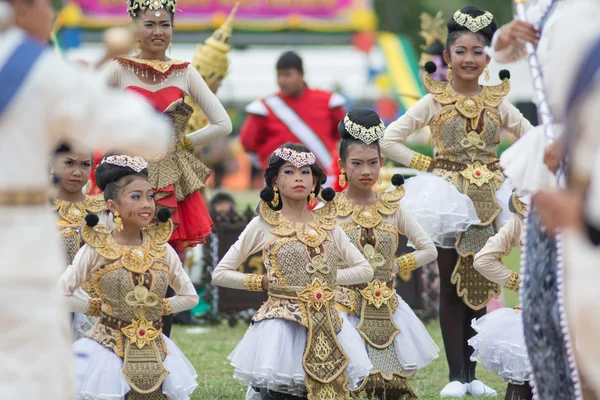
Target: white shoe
(480, 389)
(454, 389)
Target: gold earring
(51, 173)
(449, 73)
(380, 179)
(138, 47)
(487, 73)
(170, 47)
(118, 221)
(342, 178)
(312, 199)
(275, 201)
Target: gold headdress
(366, 135)
(134, 5)
(297, 158)
(138, 164)
(433, 30)
(474, 24)
(211, 57)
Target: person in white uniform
(44, 101)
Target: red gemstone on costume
(377, 294)
(142, 333)
(478, 173)
(319, 295)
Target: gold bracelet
(407, 262)
(253, 283)
(187, 143)
(166, 307)
(95, 307)
(420, 162)
(513, 282)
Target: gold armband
(420, 162)
(187, 143)
(253, 283)
(166, 307)
(407, 263)
(95, 307)
(513, 282)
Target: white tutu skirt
(414, 346)
(99, 375)
(500, 344)
(270, 356)
(523, 162)
(442, 210)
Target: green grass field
(207, 349)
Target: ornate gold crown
(211, 57)
(297, 158)
(134, 5)
(138, 164)
(474, 24)
(364, 134)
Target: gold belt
(457, 167)
(33, 197)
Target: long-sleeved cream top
(87, 258)
(192, 84)
(420, 115)
(406, 224)
(257, 234)
(488, 261)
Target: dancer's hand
(559, 209)
(265, 282)
(516, 33)
(553, 155)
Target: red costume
(310, 118)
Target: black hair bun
(63, 148)
(91, 220)
(328, 194)
(397, 180)
(430, 67)
(267, 194)
(504, 74)
(108, 173)
(163, 215)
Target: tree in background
(402, 16)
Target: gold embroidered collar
(134, 258)
(73, 213)
(370, 216)
(468, 106)
(159, 68)
(312, 234)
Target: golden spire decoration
(211, 57)
(433, 30)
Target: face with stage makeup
(294, 183)
(154, 32)
(133, 200)
(361, 164)
(73, 170)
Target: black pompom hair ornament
(397, 180)
(430, 67)
(91, 220)
(163, 215)
(267, 194)
(328, 194)
(504, 74)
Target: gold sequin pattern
(253, 283)
(407, 263)
(420, 162)
(95, 307)
(513, 282)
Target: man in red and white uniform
(296, 114)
